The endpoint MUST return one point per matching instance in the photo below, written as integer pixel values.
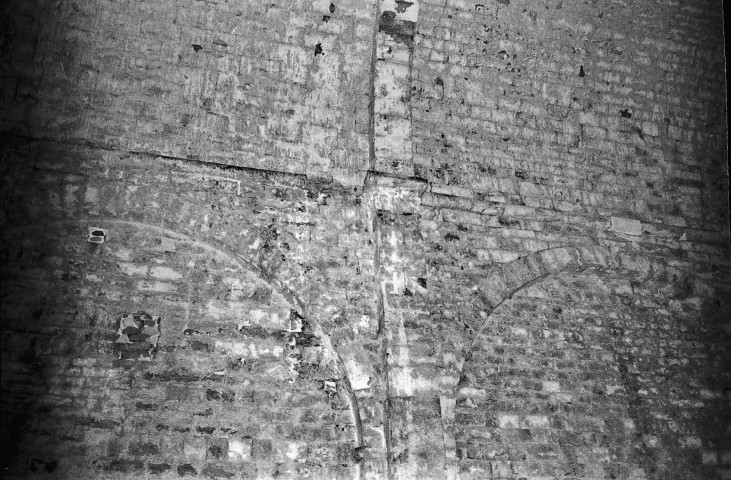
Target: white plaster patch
(238, 449)
(249, 350)
(133, 269)
(392, 198)
(508, 421)
(520, 331)
(393, 138)
(614, 388)
(402, 383)
(295, 61)
(472, 392)
(537, 421)
(318, 146)
(166, 245)
(270, 319)
(549, 386)
(293, 451)
(165, 273)
(691, 442)
(160, 287)
(219, 310)
(91, 195)
(626, 226)
(357, 375)
(236, 287)
(588, 119)
(120, 252)
(446, 406)
(392, 80)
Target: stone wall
(365, 239)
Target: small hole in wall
(96, 235)
(318, 49)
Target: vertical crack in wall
(387, 200)
(383, 339)
(391, 153)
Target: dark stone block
(48, 466)
(140, 449)
(124, 465)
(261, 449)
(95, 423)
(158, 467)
(218, 448)
(138, 337)
(187, 469)
(216, 471)
(400, 30)
(199, 346)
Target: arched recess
(636, 291)
(241, 378)
(509, 279)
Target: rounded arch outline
(505, 281)
(243, 263)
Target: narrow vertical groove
(372, 92)
(383, 337)
(376, 229)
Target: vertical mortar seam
(383, 335)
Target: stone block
(626, 226)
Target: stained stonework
(137, 336)
(374, 239)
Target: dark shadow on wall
(26, 305)
(21, 63)
(64, 295)
(25, 373)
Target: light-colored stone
(626, 226)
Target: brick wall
(371, 239)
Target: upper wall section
(599, 108)
(587, 110)
(280, 87)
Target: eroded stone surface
(384, 239)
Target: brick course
(366, 239)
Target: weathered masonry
(364, 239)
